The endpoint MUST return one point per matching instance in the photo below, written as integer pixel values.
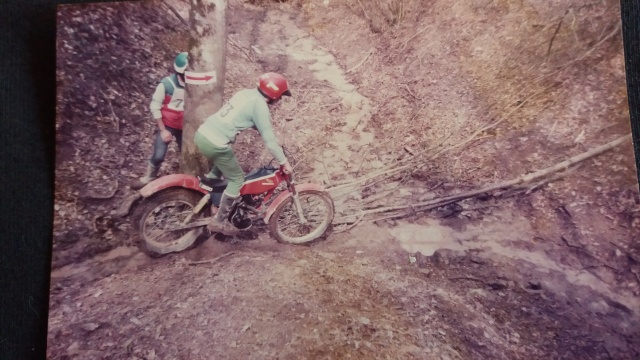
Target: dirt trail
(353, 297)
(504, 237)
(342, 153)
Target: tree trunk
(207, 52)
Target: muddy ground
(551, 274)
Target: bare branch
(411, 38)
(556, 32)
(241, 48)
(524, 179)
(355, 223)
(365, 13)
(360, 63)
(176, 13)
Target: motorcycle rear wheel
(163, 211)
(318, 209)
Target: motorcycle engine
(253, 200)
(240, 219)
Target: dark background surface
(27, 133)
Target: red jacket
(168, 102)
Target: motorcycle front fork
(296, 202)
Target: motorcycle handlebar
(288, 175)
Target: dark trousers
(160, 147)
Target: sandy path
(346, 145)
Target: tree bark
(207, 52)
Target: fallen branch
(100, 112)
(465, 278)
(364, 159)
(365, 186)
(324, 165)
(354, 224)
(556, 32)
(423, 206)
(587, 53)
(413, 212)
(380, 196)
(600, 265)
(388, 217)
(329, 105)
(365, 13)
(211, 261)
(176, 13)
(242, 49)
(556, 177)
(360, 63)
(615, 31)
(330, 86)
(410, 162)
(417, 112)
(524, 179)
(117, 120)
(490, 126)
(411, 38)
(406, 86)
(388, 172)
(409, 150)
(409, 165)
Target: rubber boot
(149, 176)
(220, 223)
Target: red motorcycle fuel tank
(261, 184)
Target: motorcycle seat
(218, 185)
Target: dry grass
(539, 62)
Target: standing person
(167, 108)
(248, 108)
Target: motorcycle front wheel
(164, 211)
(318, 209)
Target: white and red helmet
(273, 86)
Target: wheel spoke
(165, 217)
(315, 210)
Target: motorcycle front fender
(283, 196)
(174, 180)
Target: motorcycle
(175, 209)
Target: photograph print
(343, 179)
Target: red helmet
(273, 86)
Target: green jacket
(246, 109)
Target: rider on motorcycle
(246, 109)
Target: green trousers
(224, 162)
